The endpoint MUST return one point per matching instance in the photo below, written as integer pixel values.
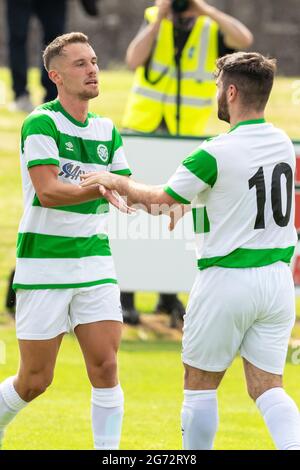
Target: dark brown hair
(55, 48)
(251, 73)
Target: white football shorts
(249, 310)
(45, 314)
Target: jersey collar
(68, 116)
(246, 123)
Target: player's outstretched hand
(105, 180)
(115, 199)
(101, 177)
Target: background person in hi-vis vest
(174, 55)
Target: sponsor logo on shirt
(72, 171)
(102, 153)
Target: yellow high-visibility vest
(155, 98)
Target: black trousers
(52, 16)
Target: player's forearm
(236, 34)
(60, 194)
(140, 48)
(147, 197)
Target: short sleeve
(196, 173)
(38, 139)
(119, 163)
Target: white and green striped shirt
(66, 246)
(241, 186)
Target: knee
(253, 392)
(257, 388)
(39, 383)
(103, 374)
(34, 384)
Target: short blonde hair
(56, 46)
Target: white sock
(10, 404)
(107, 417)
(199, 419)
(282, 417)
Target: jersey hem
(17, 286)
(248, 258)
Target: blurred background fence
(275, 24)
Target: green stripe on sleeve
(43, 161)
(117, 139)
(175, 195)
(125, 172)
(34, 245)
(39, 123)
(203, 165)
(249, 258)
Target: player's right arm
(197, 173)
(51, 192)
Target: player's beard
(88, 95)
(223, 111)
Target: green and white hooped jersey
(241, 186)
(66, 246)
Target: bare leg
(37, 364)
(35, 375)
(197, 379)
(280, 412)
(259, 381)
(99, 343)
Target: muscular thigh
(38, 355)
(196, 379)
(99, 341)
(259, 381)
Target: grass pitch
(151, 376)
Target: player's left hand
(106, 182)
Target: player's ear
(232, 93)
(55, 76)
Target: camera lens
(178, 6)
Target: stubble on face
(223, 110)
(86, 95)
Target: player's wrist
(121, 184)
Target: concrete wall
(275, 23)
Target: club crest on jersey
(102, 153)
